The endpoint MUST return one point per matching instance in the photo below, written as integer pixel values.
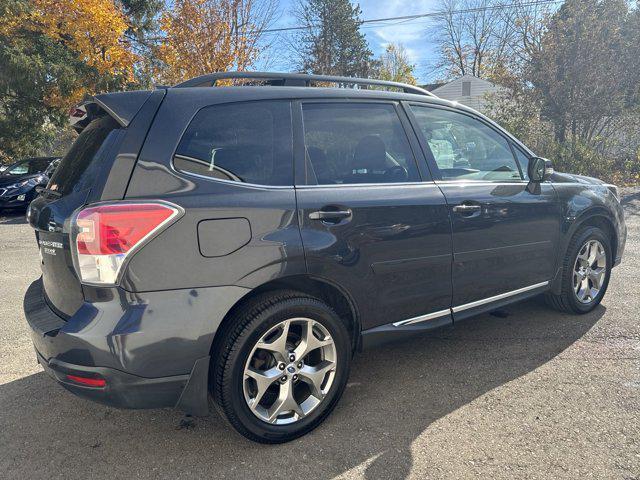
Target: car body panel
(584, 200)
(393, 255)
(510, 244)
(274, 249)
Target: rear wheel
(282, 365)
(585, 274)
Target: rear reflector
(105, 235)
(88, 381)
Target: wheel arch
(329, 292)
(594, 217)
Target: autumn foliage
(92, 29)
(204, 36)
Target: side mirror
(539, 169)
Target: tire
(567, 300)
(261, 319)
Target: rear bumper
(152, 348)
(122, 390)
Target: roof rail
(296, 80)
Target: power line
(429, 14)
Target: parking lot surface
(524, 393)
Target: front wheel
(282, 366)
(586, 271)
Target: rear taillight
(104, 236)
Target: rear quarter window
(242, 142)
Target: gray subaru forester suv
(241, 243)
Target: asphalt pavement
(529, 393)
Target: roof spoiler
(121, 106)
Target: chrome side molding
(467, 306)
(423, 318)
(484, 301)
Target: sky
(412, 34)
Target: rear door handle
(330, 216)
(467, 209)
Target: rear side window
(357, 143)
(89, 145)
(242, 142)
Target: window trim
(179, 172)
(302, 164)
(512, 142)
(524, 169)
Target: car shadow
(394, 394)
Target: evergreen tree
(331, 43)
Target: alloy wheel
(289, 371)
(589, 271)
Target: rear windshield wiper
(49, 191)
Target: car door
(505, 229)
(371, 219)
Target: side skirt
(410, 327)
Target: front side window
(464, 148)
(349, 143)
(242, 142)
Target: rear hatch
(51, 212)
(80, 175)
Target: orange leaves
(94, 29)
(204, 36)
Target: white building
(468, 90)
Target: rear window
(357, 143)
(242, 142)
(89, 146)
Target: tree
(331, 42)
(571, 92)
(581, 71)
(470, 35)
(52, 53)
(481, 37)
(395, 66)
(204, 36)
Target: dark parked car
(18, 182)
(242, 243)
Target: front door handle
(330, 216)
(467, 209)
